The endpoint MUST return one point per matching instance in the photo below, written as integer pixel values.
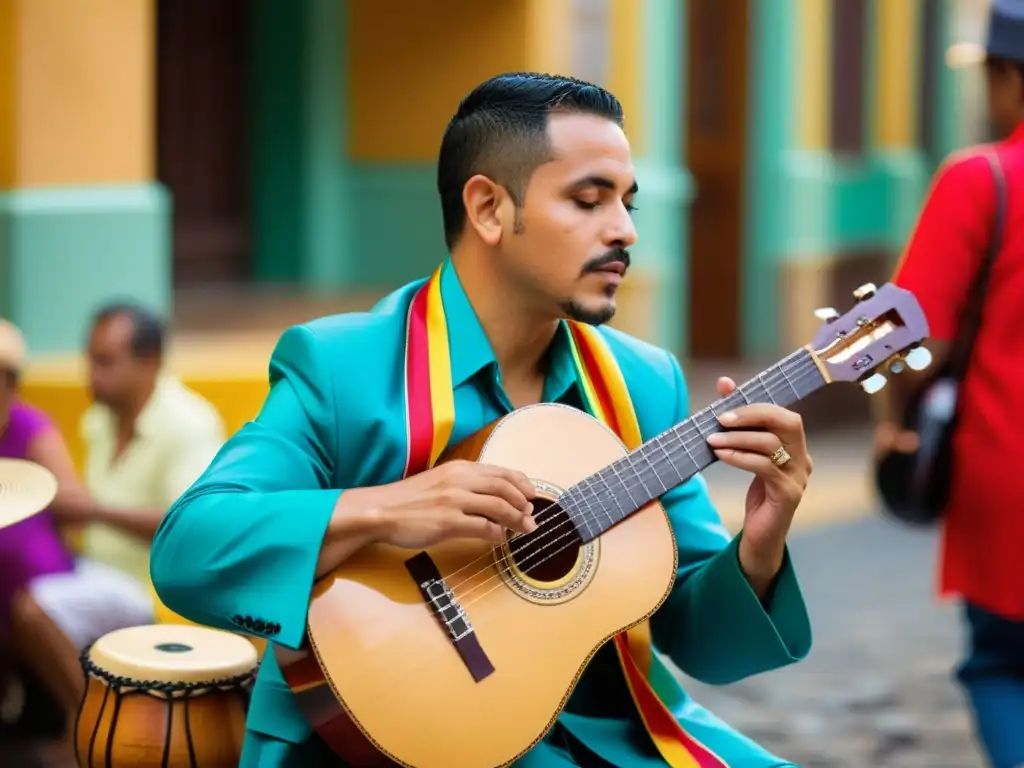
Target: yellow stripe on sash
(442, 394)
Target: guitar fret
(686, 447)
(790, 382)
(623, 484)
(600, 503)
(664, 450)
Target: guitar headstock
(882, 334)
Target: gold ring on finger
(781, 456)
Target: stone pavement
(876, 689)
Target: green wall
(773, 175)
(300, 190)
(666, 186)
(66, 250)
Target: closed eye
(588, 206)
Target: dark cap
(1004, 39)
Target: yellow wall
(76, 91)
(625, 68)
(8, 92)
(409, 63)
(814, 73)
(237, 398)
(897, 30)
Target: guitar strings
(503, 569)
(417, 662)
(686, 444)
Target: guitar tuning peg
(873, 383)
(918, 359)
(826, 314)
(864, 292)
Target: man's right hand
(456, 500)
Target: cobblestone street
(876, 689)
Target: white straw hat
(12, 347)
(26, 489)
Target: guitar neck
(618, 490)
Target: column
(789, 166)
(896, 84)
(948, 105)
(81, 218)
(301, 215)
(646, 71)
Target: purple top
(31, 548)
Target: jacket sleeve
(238, 550)
(712, 625)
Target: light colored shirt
(177, 434)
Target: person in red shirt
(982, 542)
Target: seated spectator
(147, 436)
(51, 606)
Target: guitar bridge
(449, 612)
(447, 608)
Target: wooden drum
(167, 695)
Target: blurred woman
(32, 548)
(41, 634)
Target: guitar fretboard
(612, 494)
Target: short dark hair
(148, 329)
(500, 129)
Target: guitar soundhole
(550, 553)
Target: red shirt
(982, 555)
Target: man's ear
(489, 209)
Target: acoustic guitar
(463, 655)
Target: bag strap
(971, 320)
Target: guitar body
(383, 681)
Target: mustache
(600, 262)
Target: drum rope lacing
(118, 685)
(162, 686)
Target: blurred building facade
(158, 145)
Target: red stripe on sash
(419, 410)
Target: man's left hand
(768, 441)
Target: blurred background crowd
(180, 180)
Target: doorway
(715, 151)
(202, 152)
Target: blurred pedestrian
(983, 518)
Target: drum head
(173, 653)
(26, 489)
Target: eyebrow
(603, 182)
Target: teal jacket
(238, 550)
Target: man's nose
(623, 233)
